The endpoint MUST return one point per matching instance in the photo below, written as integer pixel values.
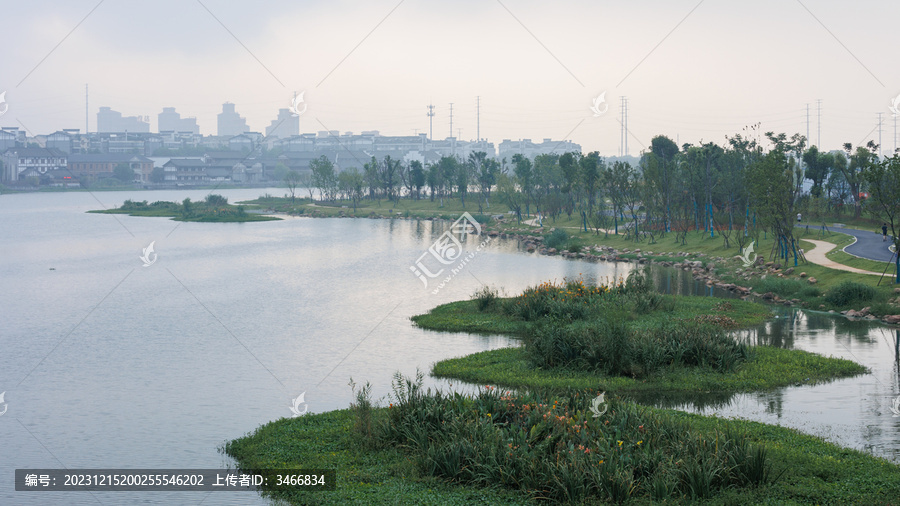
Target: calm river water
(106, 363)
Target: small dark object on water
(53, 268)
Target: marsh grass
(552, 447)
(586, 328)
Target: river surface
(106, 363)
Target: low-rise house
(18, 160)
(94, 166)
(186, 171)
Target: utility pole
(85, 109)
(430, 115)
(807, 124)
(895, 133)
(478, 119)
(451, 119)
(626, 125)
(819, 120)
(621, 126)
(880, 151)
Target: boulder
(789, 271)
(802, 274)
(812, 281)
(892, 318)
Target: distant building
(530, 149)
(8, 139)
(170, 121)
(37, 161)
(230, 123)
(100, 165)
(284, 126)
(66, 140)
(185, 171)
(109, 120)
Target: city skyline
(692, 71)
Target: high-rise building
(230, 123)
(284, 126)
(170, 121)
(109, 120)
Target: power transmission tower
(621, 126)
(478, 119)
(430, 115)
(626, 126)
(451, 119)
(819, 120)
(807, 124)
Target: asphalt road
(868, 244)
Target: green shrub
(849, 292)
(556, 239)
(486, 297)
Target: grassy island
(214, 208)
(554, 436)
(626, 339)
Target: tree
(389, 173)
(416, 176)
(860, 160)
(510, 195)
(292, 180)
(774, 183)
(158, 175)
(187, 208)
(280, 171)
(216, 200)
(818, 165)
(352, 183)
(524, 171)
(323, 176)
(123, 173)
(883, 181)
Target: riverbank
(810, 470)
(805, 285)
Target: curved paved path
(817, 256)
(868, 244)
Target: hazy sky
(693, 70)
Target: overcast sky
(693, 70)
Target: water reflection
(852, 412)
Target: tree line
(734, 191)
